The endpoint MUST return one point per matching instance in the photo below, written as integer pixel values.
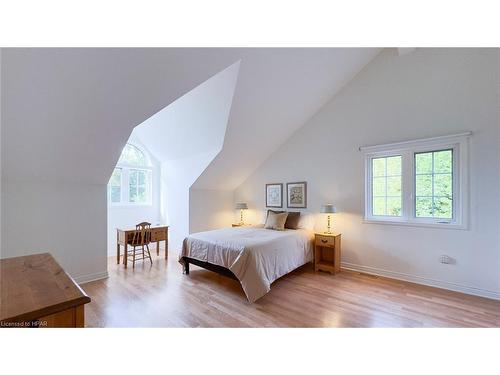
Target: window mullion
(407, 185)
(385, 172)
(432, 184)
(125, 185)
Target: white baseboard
(92, 277)
(422, 280)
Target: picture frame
(274, 195)
(296, 194)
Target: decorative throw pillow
(292, 220)
(276, 221)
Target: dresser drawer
(325, 241)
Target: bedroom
(250, 187)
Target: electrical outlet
(445, 259)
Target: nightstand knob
(324, 241)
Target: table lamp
(241, 206)
(328, 209)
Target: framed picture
(296, 194)
(274, 195)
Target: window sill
(416, 224)
(130, 205)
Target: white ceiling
(67, 113)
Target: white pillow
(276, 221)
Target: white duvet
(256, 256)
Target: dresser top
(34, 286)
(333, 234)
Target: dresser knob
(324, 241)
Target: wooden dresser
(36, 292)
(327, 252)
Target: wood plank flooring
(161, 296)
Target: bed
(252, 255)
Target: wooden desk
(124, 236)
(36, 292)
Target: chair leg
(133, 259)
(149, 255)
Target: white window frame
(458, 143)
(125, 183)
(121, 189)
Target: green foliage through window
(386, 186)
(138, 186)
(115, 186)
(131, 155)
(131, 179)
(434, 184)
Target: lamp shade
(241, 206)
(328, 209)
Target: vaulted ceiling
(278, 90)
(66, 113)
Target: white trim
(416, 224)
(407, 149)
(423, 281)
(92, 277)
(417, 142)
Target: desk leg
(117, 248)
(125, 257)
(157, 248)
(166, 248)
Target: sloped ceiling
(278, 91)
(193, 124)
(67, 113)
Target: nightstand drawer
(325, 241)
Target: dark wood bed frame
(208, 266)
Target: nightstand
(240, 225)
(327, 252)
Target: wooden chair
(142, 237)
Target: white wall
(128, 216)
(48, 217)
(210, 209)
(177, 177)
(427, 93)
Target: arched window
(130, 183)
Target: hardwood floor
(161, 296)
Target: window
(386, 182)
(434, 184)
(131, 181)
(420, 182)
(115, 186)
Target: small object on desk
(327, 252)
(36, 292)
(124, 236)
